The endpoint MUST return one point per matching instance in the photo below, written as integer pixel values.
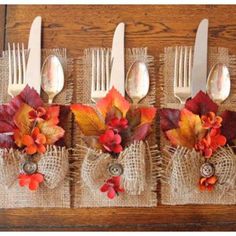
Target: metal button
(115, 169)
(207, 170)
(29, 167)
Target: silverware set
(190, 72)
(108, 69)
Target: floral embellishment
(200, 126)
(207, 183)
(113, 124)
(210, 143)
(38, 114)
(32, 181)
(210, 120)
(112, 187)
(29, 126)
(34, 142)
(111, 141)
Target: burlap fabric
(140, 161)
(180, 169)
(55, 191)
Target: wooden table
(155, 27)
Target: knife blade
(199, 69)
(117, 78)
(33, 69)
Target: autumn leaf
(169, 118)
(28, 96)
(141, 132)
(134, 117)
(6, 141)
(147, 114)
(22, 119)
(6, 122)
(88, 120)
(189, 132)
(201, 104)
(113, 99)
(52, 132)
(23, 123)
(228, 128)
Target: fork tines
(100, 73)
(182, 73)
(17, 68)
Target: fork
(100, 73)
(16, 80)
(182, 73)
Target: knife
(199, 69)
(118, 59)
(33, 69)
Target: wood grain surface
(2, 27)
(155, 27)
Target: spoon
(52, 77)
(137, 81)
(218, 83)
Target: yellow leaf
(88, 120)
(189, 132)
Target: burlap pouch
(139, 160)
(180, 169)
(54, 164)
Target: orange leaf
(21, 118)
(52, 132)
(89, 121)
(23, 123)
(113, 99)
(147, 114)
(189, 132)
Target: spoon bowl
(52, 77)
(218, 83)
(137, 81)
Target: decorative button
(29, 167)
(115, 169)
(207, 170)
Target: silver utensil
(137, 81)
(52, 77)
(118, 60)
(199, 69)
(33, 75)
(218, 83)
(16, 60)
(100, 74)
(182, 73)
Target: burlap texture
(180, 169)
(83, 196)
(57, 191)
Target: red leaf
(6, 141)
(28, 96)
(201, 104)
(228, 128)
(141, 132)
(169, 118)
